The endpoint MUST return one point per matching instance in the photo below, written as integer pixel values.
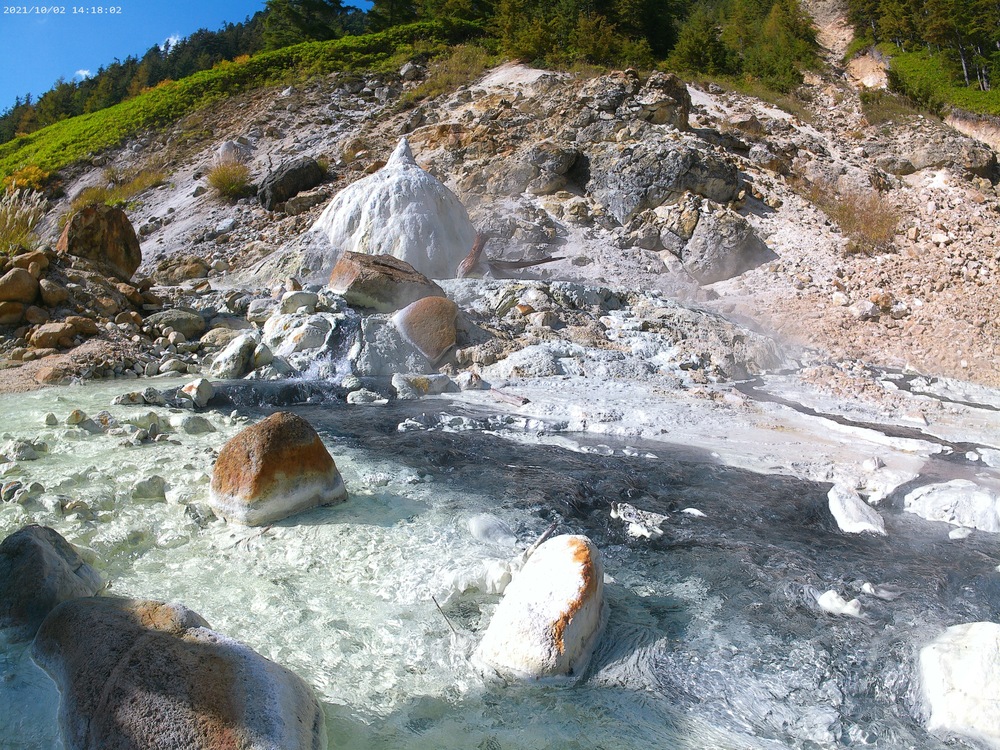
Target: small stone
(51, 420)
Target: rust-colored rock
(36, 259)
(272, 470)
(36, 315)
(83, 326)
(52, 375)
(143, 674)
(380, 282)
(104, 235)
(18, 285)
(429, 324)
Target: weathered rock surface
(551, 615)
(143, 674)
(272, 470)
(18, 285)
(960, 679)
(853, 515)
(380, 282)
(288, 180)
(959, 502)
(429, 324)
(722, 246)
(103, 235)
(38, 570)
(402, 211)
(188, 322)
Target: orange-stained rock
(11, 313)
(104, 235)
(272, 470)
(551, 615)
(429, 324)
(36, 258)
(143, 674)
(49, 335)
(18, 285)
(380, 282)
(52, 375)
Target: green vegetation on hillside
(944, 52)
(67, 141)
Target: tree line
(766, 39)
(966, 32)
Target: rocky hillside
(635, 184)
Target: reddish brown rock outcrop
(272, 470)
(104, 235)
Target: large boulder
(401, 211)
(959, 502)
(18, 285)
(722, 246)
(103, 235)
(429, 324)
(960, 681)
(380, 282)
(629, 179)
(288, 180)
(38, 570)
(272, 470)
(551, 615)
(142, 674)
(188, 322)
(664, 100)
(236, 359)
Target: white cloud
(169, 42)
(81, 74)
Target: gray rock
(38, 570)
(235, 360)
(628, 179)
(722, 246)
(288, 180)
(141, 674)
(150, 488)
(188, 322)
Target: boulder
(235, 360)
(401, 211)
(723, 245)
(288, 180)
(18, 285)
(199, 392)
(429, 324)
(272, 470)
(629, 179)
(552, 613)
(38, 570)
(143, 674)
(854, 515)
(11, 313)
(188, 322)
(103, 235)
(380, 282)
(49, 335)
(960, 679)
(959, 502)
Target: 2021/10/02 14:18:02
(57, 10)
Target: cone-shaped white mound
(402, 211)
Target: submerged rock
(551, 615)
(38, 570)
(272, 470)
(960, 679)
(142, 674)
(401, 211)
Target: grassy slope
(928, 79)
(65, 142)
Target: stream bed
(715, 638)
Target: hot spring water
(715, 639)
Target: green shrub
(20, 212)
(230, 179)
(122, 186)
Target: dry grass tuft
(20, 212)
(866, 217)
(230, 179)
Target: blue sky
(35, 49)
